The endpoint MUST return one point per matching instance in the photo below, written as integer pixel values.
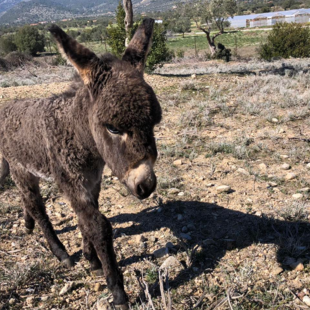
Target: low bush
(286, 40)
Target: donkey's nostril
(140, 190)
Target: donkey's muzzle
(142, 180)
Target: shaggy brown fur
(106, 119)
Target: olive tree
(209, 15)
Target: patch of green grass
(230, 40)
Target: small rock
(191, 227)
(170, 262)
(305, 190)
(178, 162)
(68, 286)
(308, 166)
(285, 166)
(274, 120)
(210, 184)
(44, 298)
(98, 287)
(258, 213)
(243, 171)
(180, 217)
(29, 301)
(262, 167)
(185, 236)
(299, 267)
(12, 301)
(194, 76)
(223, 189)
(306, 300)
(290, 176)
(272, 184)
(297, 196)
(184, 229)
(173, 191)
(277, 271)
(140, 238)
(208, 242)
(169, 245)
(181, 194)
(284, 156)
(160, 252)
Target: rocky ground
(228, 224)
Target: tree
(181, 25)
(159, 52)
(286, 40)
(213, 14)
(128, 19)
(29, 40)
(116, 33)
(7, 44)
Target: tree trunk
(128, 19)
(212, 45)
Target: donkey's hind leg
(34, 210)
(4, 170)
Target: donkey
(107, 117)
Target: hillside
(22, 12)
(5, 5)
(35, 11)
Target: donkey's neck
(79, 118)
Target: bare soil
(245, 248)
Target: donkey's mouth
(141, 181)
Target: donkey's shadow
(217, 229)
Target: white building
(276, 18)
(258, 21)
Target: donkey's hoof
(97, 272)
(68, 262)
(121, 307)
(28, 231)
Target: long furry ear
(140, 44)
(78, 55)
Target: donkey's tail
(4, 170)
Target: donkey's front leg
(34, 210)
(98, 230)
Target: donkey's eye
(113, 130)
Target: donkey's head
(123, 108)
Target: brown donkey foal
(107, 117)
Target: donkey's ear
(140, 44)
(79, 56)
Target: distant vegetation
(286, 40)
(191, 30)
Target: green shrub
(7, 44)
(116, 37)
(180, 53)
(116, 33)
(159, 52)
(286, 40)
(29, 40)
